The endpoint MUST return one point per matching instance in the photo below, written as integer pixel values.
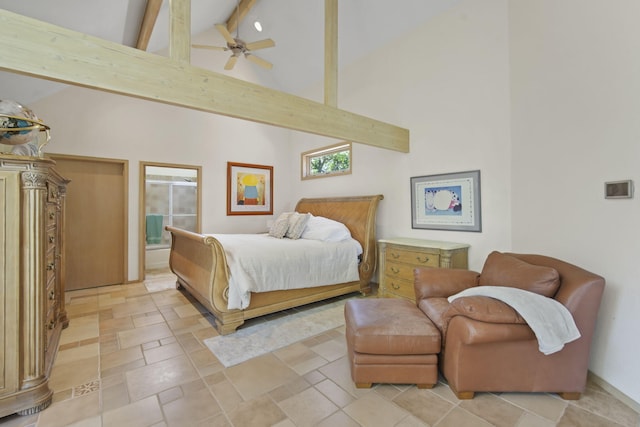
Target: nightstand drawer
(401, 288)
(422, 259)
(395, 270)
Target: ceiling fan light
(257, 25)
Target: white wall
(448, 83)
(92, 123)
(575, 72)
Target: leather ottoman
(390, 341)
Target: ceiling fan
(239, 47)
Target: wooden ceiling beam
(244, 7)
(148, 22)
(331, 52)
(43, 50)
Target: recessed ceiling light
(257, 25)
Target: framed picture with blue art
(249, 189)
(448, 201)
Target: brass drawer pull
(423, 260)
(395, 270)
(394, 286)
(395, 255)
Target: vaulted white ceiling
(297, 27)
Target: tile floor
(133, 356)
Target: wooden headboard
(358, 213)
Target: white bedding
(261, 263)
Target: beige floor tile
(410, 421)
(77, 353)
(70, 411)
(120, 357)
(330, 350)
(191, 408)
(340, 373)
(144, 412)
(142, 335)
(88, 422)
(147, 319)
(288, 390)
(133, 306)
(80, 329)
(152, 379)
(338, 419)
(260, 375)
(75, 373)
(373, 410)
(497, 411)
(542, 404)
(115, 325)
(259, 412)
(460, 418)
(598, 401)
(423, 404)
(115, 397)
(226, 394)
(162, 352)
(574, 416)
(531, 420)
(307, 408)
(186, 310)
(335, 393)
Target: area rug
(261, 338)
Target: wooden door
(96, 221)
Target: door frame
(142, 200)
(125, 192)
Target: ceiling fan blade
(225, 33)
(261, 44)
(231, 63)
(259, 61)
(206, 46)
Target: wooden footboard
(200, 264)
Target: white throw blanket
(550, 321)
(260, 263)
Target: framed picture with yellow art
(249, 189)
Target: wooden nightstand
(400, 256)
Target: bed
(200, 264)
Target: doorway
(96, 249)
(170, 194)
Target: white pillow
(297, 223)
(280, 226)
(325, 229)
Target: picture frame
(448, 201)
(249, 189)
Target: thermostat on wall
(618, 189)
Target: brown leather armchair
(487, 346)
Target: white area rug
(256, 340)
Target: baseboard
(614, 392)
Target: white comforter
(261, 263)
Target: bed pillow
(325, 229)
(280, 226)
(297, 223)
(504, 270)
